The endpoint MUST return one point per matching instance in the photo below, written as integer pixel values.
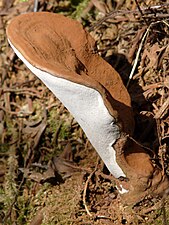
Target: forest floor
(49, 172)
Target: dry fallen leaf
(38, 218)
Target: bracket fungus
(62, 54)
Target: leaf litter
(50, 174)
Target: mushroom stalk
(87, 107)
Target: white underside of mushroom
(87, 107)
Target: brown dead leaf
(38, 219)
(48, 176)
(19, 8)
(35, 130)
(100, 5)
(64, 167)
(64, 164)
(67, 152)
(6, 4)
(153, 54)
(58, 169)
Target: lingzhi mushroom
(62, 54)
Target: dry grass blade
(137, 56)
(35, 8)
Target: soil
(49, 172)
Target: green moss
(65, 131)
(80, 6)
(163, 215)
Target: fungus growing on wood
(62, 54)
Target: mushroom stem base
(142, 176)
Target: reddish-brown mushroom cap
(62, 47)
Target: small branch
(138, 6)
(84, 192)
(85, 188)
(141, 12)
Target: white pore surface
(87, 107)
